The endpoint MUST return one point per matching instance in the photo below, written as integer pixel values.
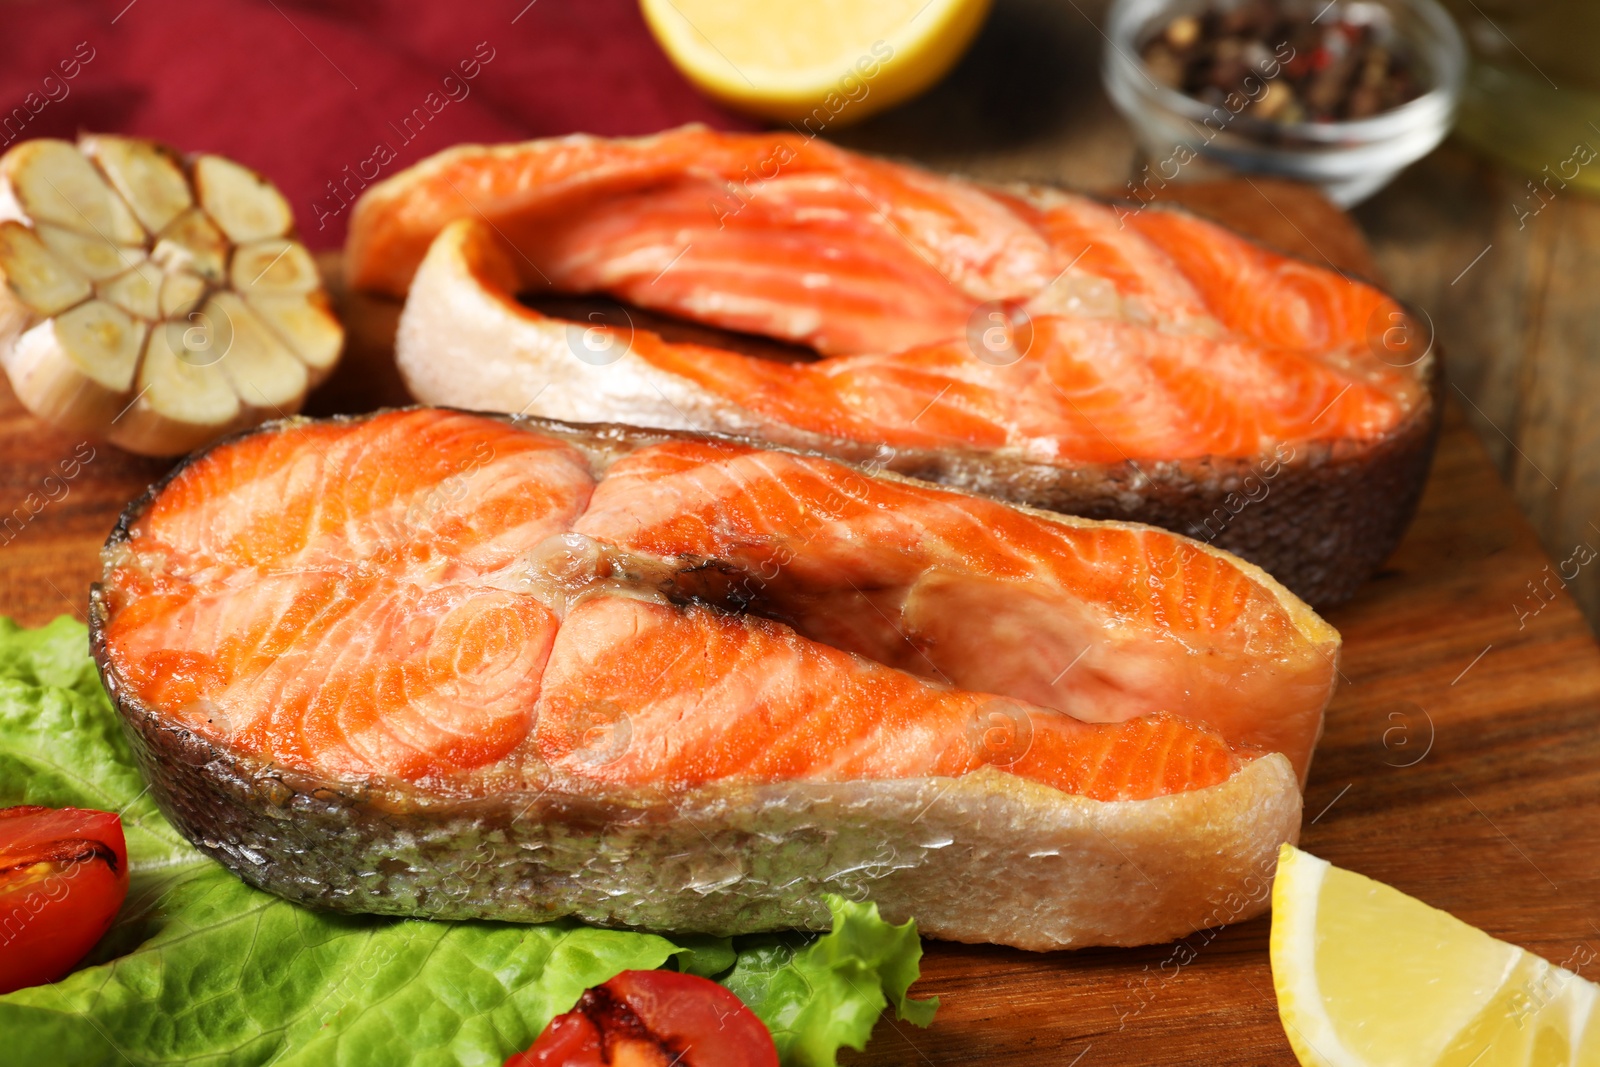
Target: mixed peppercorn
(1290, 64)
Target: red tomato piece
(63, 876)
(653, 1019)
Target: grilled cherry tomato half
(653, 1019)
(63, 875)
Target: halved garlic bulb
(152, 301)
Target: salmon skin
(430, 662)
(1025, 343)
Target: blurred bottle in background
(1532, 96)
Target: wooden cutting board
(1461, 760)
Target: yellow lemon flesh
(1369, 977)
(831, 61)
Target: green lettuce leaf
(201, 968)
(816, 996)
(61, 745)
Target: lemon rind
(918, 56)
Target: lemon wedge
(1369, 977)
(831, 62)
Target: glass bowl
(1349, 160)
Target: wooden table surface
(1460, 761)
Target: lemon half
(831, 62)
(1369, 977)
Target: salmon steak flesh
(1122, 361)
(428, 662)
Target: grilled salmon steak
(436, 663)
(1025, 343)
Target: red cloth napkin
(321, 97)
